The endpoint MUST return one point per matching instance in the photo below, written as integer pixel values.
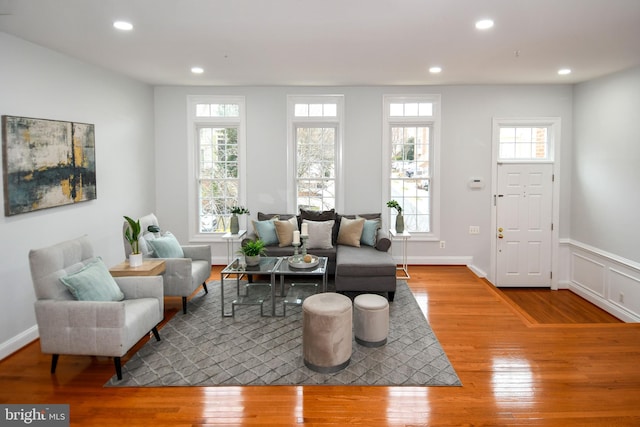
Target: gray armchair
(183, 275)
(93, 328)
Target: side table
(231, 239)
(149, 267)
(404, 237)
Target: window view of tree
(218, 177)
(315, 167)
(411, 175)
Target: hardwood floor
(561, 306)
(515, 372)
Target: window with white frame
(523, 142)
(410, 132)
(216, 135)
(315, 124)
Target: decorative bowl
(301, 264)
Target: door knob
(500, 230)
(500, 236)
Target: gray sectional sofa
(358, 253)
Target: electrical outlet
(442, 244)
(621, 298)
(474, 229)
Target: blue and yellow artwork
(46, 163)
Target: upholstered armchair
(82, 310)
(187, 266)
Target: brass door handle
(500, 236)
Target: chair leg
(54, 363)
(184, 305)
(116, 362)
(391, 296)
(155, 333)
(204, 286)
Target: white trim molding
(17, 342)
(606, 280)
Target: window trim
(193, 122)
(434, 121)
(294, 122)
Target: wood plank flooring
(515, 372)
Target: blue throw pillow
(266, 231)
(93, 282)
(166, 246)
(369, 232)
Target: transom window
(315, 141)
(523, 143)
(216, 132)
(410, 125)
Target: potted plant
(399, 219)
(252, 250)
(131, 234)
(234, 226)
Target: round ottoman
(326, 332)
(371, 320)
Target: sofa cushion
(323, 216)
(320, 233)
(93, 282)
(266, 231)
(284, 230)
(350, 231)
(370, 229)
(166, 246)
(364, 261)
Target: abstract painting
(46, 163)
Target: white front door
(524, 224)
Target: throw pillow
(329, 215)
(166, 246)
(266, 231)
(284, 230)
(93, 282)
(370, 231)
(319, 234)
(350, 231)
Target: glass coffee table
(297, 292)
(252, 293)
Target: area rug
(204, 349)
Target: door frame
(553, 123)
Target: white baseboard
(17, 342)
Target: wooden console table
(149, 267)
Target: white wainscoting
(608, 281)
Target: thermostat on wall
(476, 183)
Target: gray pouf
(371, 320)
(326, 332)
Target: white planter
(135, 260)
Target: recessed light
(484, 24)
(197, 70)
(435, 70)
(123, 25)
(564, 71)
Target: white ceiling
(337, 42)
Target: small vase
(399, 224)
(135, 260)
(234, 227)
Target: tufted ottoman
(326, 332)
(371, 314)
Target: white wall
(605, 196)
(467, 113)
(37, 82)
(602, 256)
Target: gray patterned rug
(204, 349)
